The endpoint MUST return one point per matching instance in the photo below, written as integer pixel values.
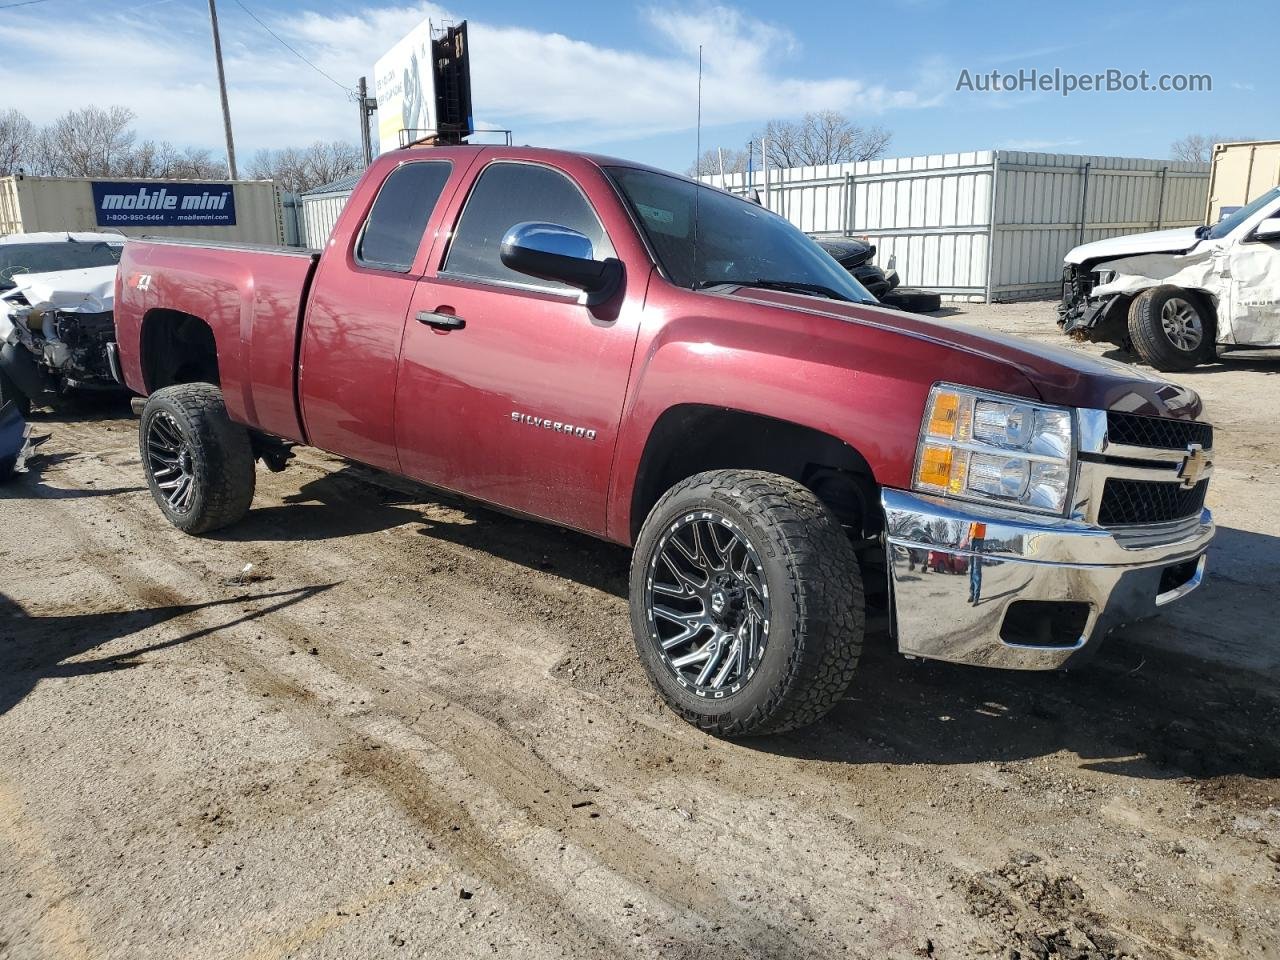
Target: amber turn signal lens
(935, 466)
(944, 415)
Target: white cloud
(550, 88)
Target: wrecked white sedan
(57, 323)
(1174, 296)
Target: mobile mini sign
(153, 204)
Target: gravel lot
(416, 728)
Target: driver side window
(508, 193)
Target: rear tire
(199, 464)
(802, 603)
(9, 392)
(1171, 329)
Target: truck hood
(88, 290)
(1058, 375)
(1178, 240)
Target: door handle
(441, 321)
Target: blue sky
(620, 78)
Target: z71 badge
(568, 429)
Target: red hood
(1059, 375)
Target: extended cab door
(1253, 262)
(511, 390)
(355, 313)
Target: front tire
(199, 464)
(746, 603)
(1171, 329)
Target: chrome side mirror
(549, 251)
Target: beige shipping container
(33, 204)
(1241, 172)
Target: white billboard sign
(404, 85)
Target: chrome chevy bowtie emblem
(1194, 466)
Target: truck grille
(1143, 501)
(1135, 431)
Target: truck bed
(250, 295)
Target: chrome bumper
(959, 575)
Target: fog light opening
(1045, 623)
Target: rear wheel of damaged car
(1171, 328)
(9, 393)
(746, 603)
(199, 464)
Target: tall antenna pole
(367, 106)
(697, 189)
(222, 89)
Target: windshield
(737, 241)
(1229, 223)
(16, 258)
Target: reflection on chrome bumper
(1001, 588)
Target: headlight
(980, 446)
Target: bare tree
(823, 137)
(1198, 147)
(166, 161)
(816, 138)
(297, 170)
(17, 134)
(89, 142)
(735, 161)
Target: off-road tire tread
(221, 447)
(1146, 331)
(826, 588)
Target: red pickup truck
(622, 351)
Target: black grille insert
(1162, 432)
(1144, 501)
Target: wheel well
(692, 438)
(177, 348)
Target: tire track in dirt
(888, 831)
(491, 755)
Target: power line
(343, 87)
(24, 3)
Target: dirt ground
(416, 728)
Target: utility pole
(367, 105)
(222, 89)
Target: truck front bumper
(999, 588)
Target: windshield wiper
(794, 286)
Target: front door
(1254, 305)
(511, 390)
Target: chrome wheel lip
(713, 629)
(1182, 325)
(169, 462)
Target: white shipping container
(33, 204)
(1241, 172)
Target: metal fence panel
(984, 224)
(928, 216)
(319, 214)
(1046, 203)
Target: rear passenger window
(510, 193)
(400, 214)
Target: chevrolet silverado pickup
(618, 350)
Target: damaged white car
(57, 325)
(1175, 296)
